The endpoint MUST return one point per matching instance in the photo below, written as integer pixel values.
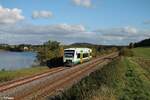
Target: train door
(81, 56)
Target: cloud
(70, 27)
(84, 3)
(65, 33)
(146, 22)
(40, 33)
(129, 29)
(42, 14)
(120, 30)
(123, 35)
(10, 16)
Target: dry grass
(10, 75)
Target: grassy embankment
(126, 78)
(10, 75)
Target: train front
(68, 57)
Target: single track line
(25, 80)
(52, 85)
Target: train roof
(79, 49)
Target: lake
(16, 60)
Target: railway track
(25, 80)
(55, 80)
(51, 89)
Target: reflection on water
(16, 60)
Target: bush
(126, 52)
(49, 50)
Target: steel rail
(12, 84)
(52, 85)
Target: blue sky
(101, 20)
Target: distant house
(25, 48)
(3, 45)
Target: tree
(52, 45)
(131, 45)
(49, 50)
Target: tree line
(51, 52)
(143, 43)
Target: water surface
(16, 60)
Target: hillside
(126, 78)
(143, 43)
(98, 46)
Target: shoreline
(3, 50)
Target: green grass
(142, 52)
(136, 82)
(10, 75)
(88, 87)
(126, 78)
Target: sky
(108, 22)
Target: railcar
(73, 56)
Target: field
(10, 75)
(126, 78)
(142, 52)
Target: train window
(85, 55)
(78, 55)
(69, 55)
(69, 51)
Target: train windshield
(69, 53)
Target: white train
(74, 56)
